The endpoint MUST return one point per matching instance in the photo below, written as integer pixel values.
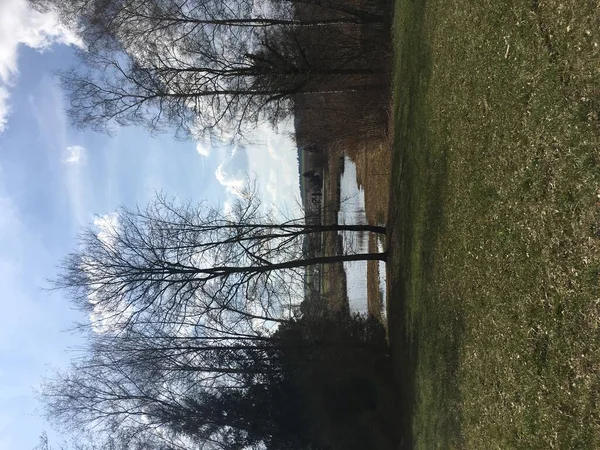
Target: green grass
(495, 216)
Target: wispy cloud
(74, 154)
(233, 172)
(48, 109)
(20, 24)
(4, 107)
(233, 183)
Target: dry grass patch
(496, 249)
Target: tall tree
(203, 65)
(316, 376)
(115, 441)
(184, 302)
(172, 262)
(130, 399)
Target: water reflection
(352, 212)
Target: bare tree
(204, 64)
(172, 262)
(115, 441)
(184, 301)
(126, 387)
(100, 19)
(124, 391)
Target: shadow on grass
(339, 373)
(419, 180)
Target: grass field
(494, 312)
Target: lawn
(494, 312)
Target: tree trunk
(221, 271)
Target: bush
(340, 367)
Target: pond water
(352, 212)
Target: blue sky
(54, 179)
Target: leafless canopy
(180, 263)
(204, 65)
(184, 300)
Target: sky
(54, 179)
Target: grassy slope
(495, 308)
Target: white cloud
(20, 24)
(276, 167)
(107, 227)
(233, 172)
(271, 161)
(104, 318)
(271, 186)
(233, 183)
(228, 209)
(74, 154)
(203, 150)
(4, 107)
